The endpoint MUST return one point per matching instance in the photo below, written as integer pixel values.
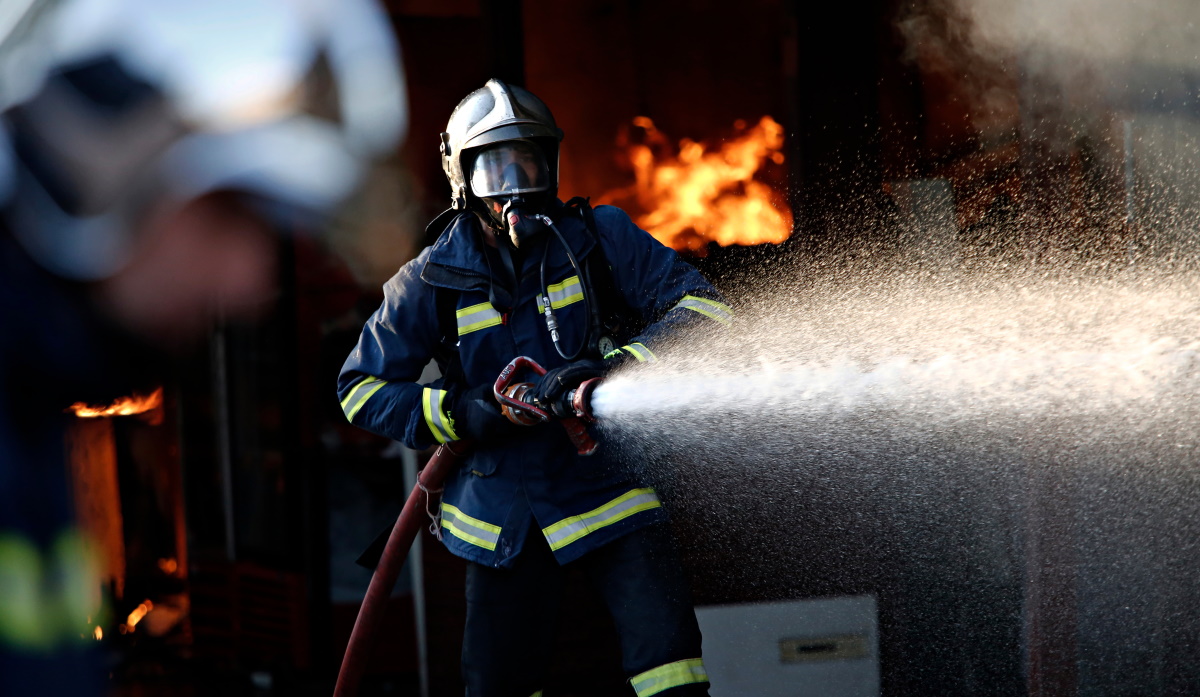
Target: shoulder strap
(615, 316)
(446, 354)
(446, 300)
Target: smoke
(1066, 58)
(1067, 35)
(1094, 31)
(1098, 102)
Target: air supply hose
(592, 319)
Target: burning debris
(126, 406)
(698, 194)
(136, 616)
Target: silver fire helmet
(496, 113)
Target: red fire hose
(439, 467)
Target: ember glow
(698, 194)
(126, 406)
(136, 616)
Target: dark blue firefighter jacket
(534, 477)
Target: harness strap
(611, 313)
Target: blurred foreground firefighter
(147, 160)
(525, 504)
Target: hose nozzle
(580, 400)
(573, 411)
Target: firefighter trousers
(511, 616)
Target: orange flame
(701, 195)
(126, 406)
(136, 616)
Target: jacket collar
(456, 260)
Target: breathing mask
(512, 180)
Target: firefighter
(147, 160)
(516, 272)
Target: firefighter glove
(477, 415)
(558, 381)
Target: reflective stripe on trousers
(655, 680)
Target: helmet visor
(510, 167)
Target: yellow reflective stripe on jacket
(641, 353)
(656, 680)
(359, 394)
(46, 599)
(476, 317)
(564, 532)
(469, 529)
(706, 307)
(563, 294)
(440, 423)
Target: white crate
(825, 647)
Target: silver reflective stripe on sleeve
(359, 394)
(476, 317)
(564, 532)
(640, 352)
(441, 425)
(469, 529)
(563, 294)
(706, 307)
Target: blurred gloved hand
(477, 415)
(558, 381)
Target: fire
(126, 406)
(136, 616)
(702, 194)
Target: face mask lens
(509, 168)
